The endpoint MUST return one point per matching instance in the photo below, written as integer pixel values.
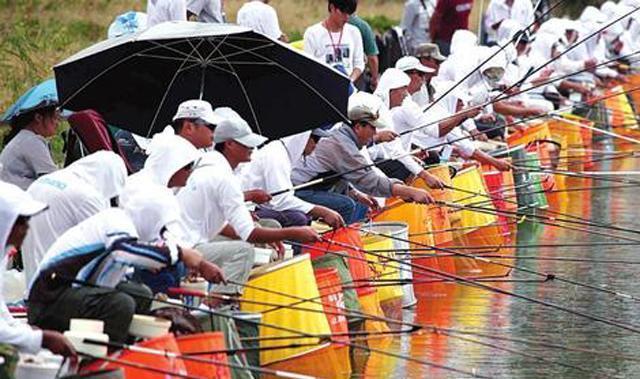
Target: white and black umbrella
(137, 81)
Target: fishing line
(514, 40)
(418, 150)
(300, 334)
(573, 46)
(468, 282)
(536, 218)
(549, 276)
(139, 366)
(190, 358)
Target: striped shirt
(99, 251)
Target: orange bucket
(494, 180)
(163, 343)
(439, 215)
(199, 343)
(330, 289)
(359, 269)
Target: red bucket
(165, 343)
(359, 269)
(330, 289)
(204, 342)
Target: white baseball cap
(197, 109)
(365, 107)
(237, 129)
(410, 63)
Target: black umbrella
(138, 81)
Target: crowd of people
(95, 239)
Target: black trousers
(115, 307)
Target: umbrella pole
(204, 73)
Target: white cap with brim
(365, 107)
(197, 109)
(238, 130)
(413, 64)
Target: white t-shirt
(409, 116)
(270, 170)
(159, 11)
(212, 198)
(343, 48)
(521, 11)
(260, 17)
(70, 201)
(207, 10)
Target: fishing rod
(562, 259)
(299, 333)
(593, 128)
(455, 332)
(516, 38)
(139, 366)
(537, 218)
(549, 276)
(506, 96)
(573, 46)
(593, 158)
(575, 174)
(577, 219)
(191, 358)
(517, 246)
(419, 150)
(464, 281)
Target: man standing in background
(449, 16)
(415, 22)
(370, 50)
(159, 11)
(211, 11)
(261, 17)
(335, 42)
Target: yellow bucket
(415, 215)
(470, 180)
(291, 277)
(531, 134)
(570, 133)
(439, 215)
